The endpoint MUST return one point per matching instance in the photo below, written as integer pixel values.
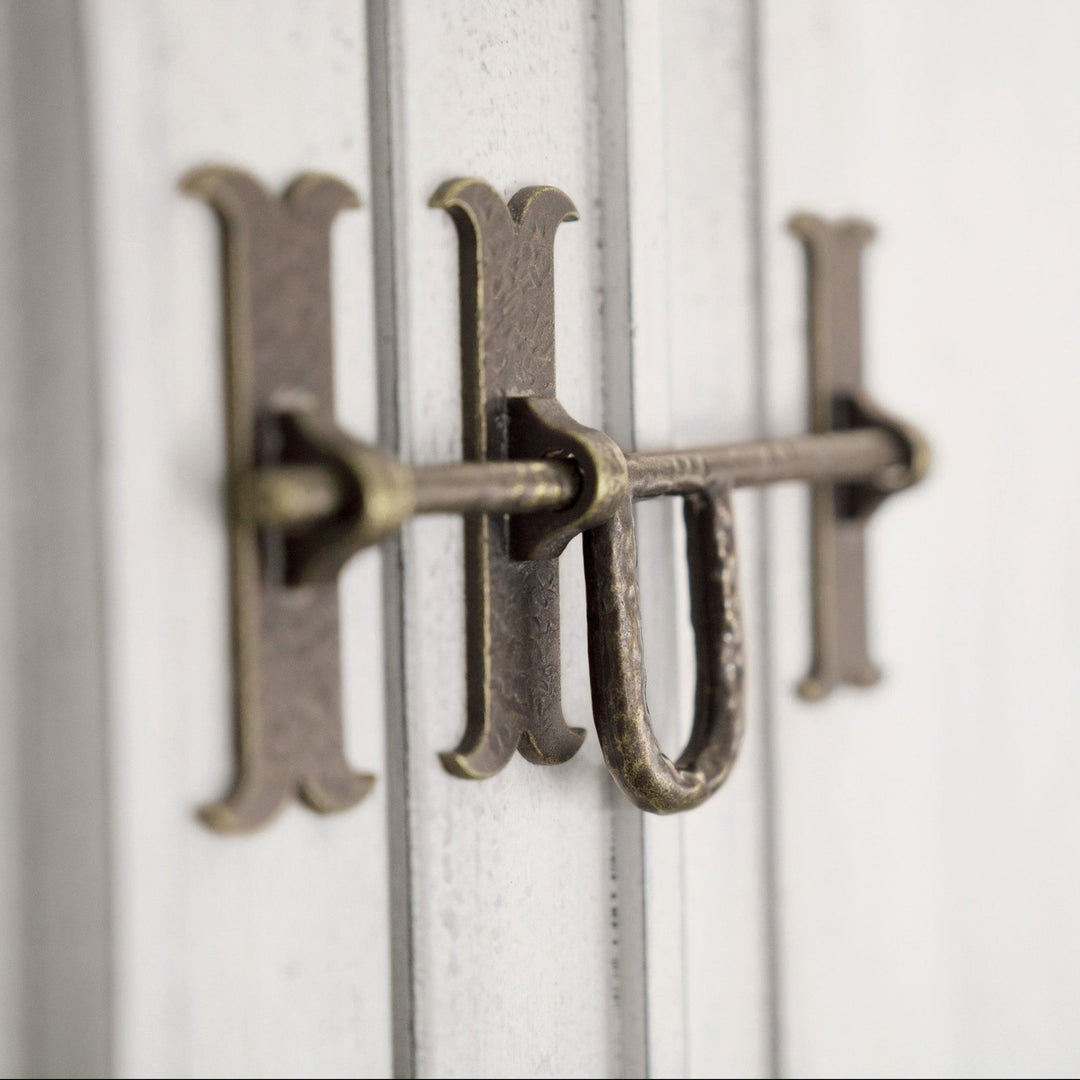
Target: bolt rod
(292, 496)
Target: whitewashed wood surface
(691, 178)
(889, 884)
(516, 916)
(54, 873)
(928, 857)
(264, 955)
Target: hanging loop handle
(648, 776)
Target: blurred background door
(890, 883)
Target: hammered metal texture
(287, 683)
(616, 658)
(508, 350)
(541, 429)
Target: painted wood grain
(922, 893)
(692, 350)
(929, 869)
(515, 908)
(54, 876)
(267, 954)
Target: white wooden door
(888, 885)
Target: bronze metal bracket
(305, 496)
(279, 400)
(509, 409)
(840, 403)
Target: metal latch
(304, 496)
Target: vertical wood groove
(628, 883)
(267, 954)
(389, 331)
(58, 694)
(770, 794)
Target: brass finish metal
(508, 351)
(375, 495)
(839, 403)
(287, 682)
(496, 487)
(299, 495)
(507, 290)
(304, 496)
(289, 496)
(616, 662)
(541, 428)
(849, 455)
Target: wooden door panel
(258, 955)
(928, 874)
(888, 883)
(692, 320)
(515, 905)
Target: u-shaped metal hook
(634, 757)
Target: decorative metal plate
(286, 646)
(507, 350)
(839, 403)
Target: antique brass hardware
(839, 401)
(285, 641)
(305, 496)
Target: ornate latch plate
(304, 496)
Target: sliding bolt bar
(295, 496)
